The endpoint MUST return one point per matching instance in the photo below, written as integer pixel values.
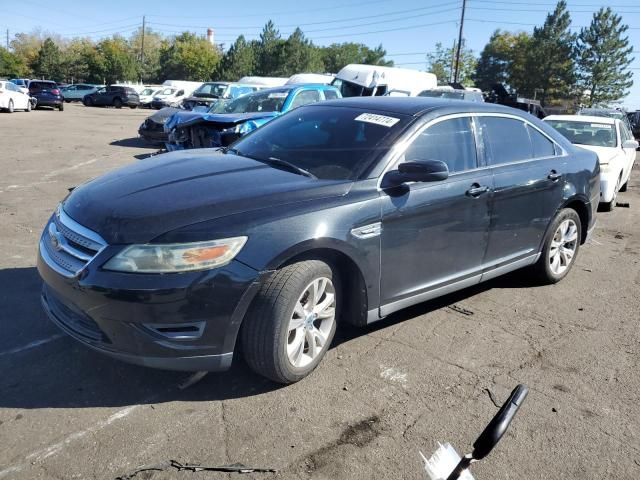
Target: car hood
(185, 119)
(163, 114)
(605, 154)
(140, 202)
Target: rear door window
(542, 146)
(330, 94)
(450, 141)
(304, 97)
(506, 140)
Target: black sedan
(113, 95)
(342, 211)
(47, 94)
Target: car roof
(583, 119)
(416, 106)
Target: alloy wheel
(563, 247)
(311, 322)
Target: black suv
(47, 93)
(113, 95)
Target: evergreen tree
(299, 55)
(550, 60)
(441, 64)
(238, 62)
(269, 47)
(376, 57)
(337, 55)
(48, 63)
(603, 56)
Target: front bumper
(153, 135)
(187, 321)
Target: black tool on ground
(493, 432)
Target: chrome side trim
(389, 308)
(367, 231)
(510, 267)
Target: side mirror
(630, 144)
(417, 171)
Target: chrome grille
(67, 246)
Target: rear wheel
(10, 108)
(117, 103)
(87, 102)
(560, 247)
(133, 107)
(292, 321)
(61, 107)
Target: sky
(408, 29)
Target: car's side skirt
(492, 272)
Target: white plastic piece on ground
(442, 463)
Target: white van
(357, 80)
(173, 92)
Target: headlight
(176, 257)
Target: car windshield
(596, 112)
(147, 91)
(211, 90)
(168, 91)
(586, 133)
(265, 101)
(330, 143)
(452, 95)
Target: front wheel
(28, 109)
(10, 108)
(61, 107)
(87, 102)
(117, 103)
(609, 206)
(560, 247)
(292, 321)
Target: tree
(441, 63)
(11, 65)
(603, 57)
(298, 55)
(153, 44)
(116, 62)
(269, 46)
(337, 55)
(502, 60)
(239, 61)
(550, 61)
(48, 63)
(189, 57)
(81, 62)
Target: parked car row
(23, 94)
(340, 211)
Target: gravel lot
(381, 394)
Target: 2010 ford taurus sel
(342, 211)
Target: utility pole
(457, 60)
(142, 49)
(7, 39)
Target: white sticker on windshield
(278, 95)
(601, 125)
(377, 119)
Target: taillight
(55, 91)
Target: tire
(559, 238)
(117, 103)
(28, 109)
(268, 335)
(609, 206)
(133, 107)
(623, 188)
(10, 108)
(67, 101)
(87, 102)
(61, 107)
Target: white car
(611, 139)
(147, 94)
(12, 98)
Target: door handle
(554, 176)
(476, 190)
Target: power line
(387, 14)
(494, 9)
(552, 4)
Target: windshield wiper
(289, 166)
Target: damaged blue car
(225, 122)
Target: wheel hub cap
(563, 247)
